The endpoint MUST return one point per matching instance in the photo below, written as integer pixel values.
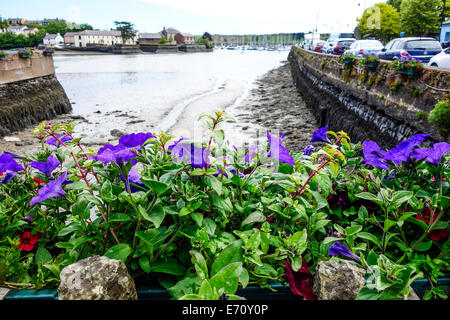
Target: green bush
(441, 116)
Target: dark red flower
(38, 181)
(434, 235)
(27, 241)
(300, 282)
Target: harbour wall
(369, 104)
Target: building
(149, 38)
(53, 39)
(184, 38)
(170, 33)
(16, 30)
(28, 31)
(16, 21)
(89, 38)
(445, 32)
(69, 37)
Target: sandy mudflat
(273, 104)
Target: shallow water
(159, 91)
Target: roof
(172, 30)
(101, 33)
(150, 35)
(187, 34)
(446, 22)
(51, 36)
(16, 28)
(71, 34)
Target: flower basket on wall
(370, 61)
(2, 55)
(407, 65)
(48, 51)
(24, 53)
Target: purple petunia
(308, 150)
(135, 140)
(46, 167)
(9, 175)
(402, 152)
(52, 141)
(373, 155)
(432, 155)
(278, 152)
(337, 248)
(134, 178)
(51, 190)
(195, 156)
(119, 154)
(320, 135)
(251, 153)
(175, 144)
(7, 162)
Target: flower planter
(250, 292)
(24, 55)
(372, 65)
(409, 72)
(48, 53)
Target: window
(423, 45)
(389, 45)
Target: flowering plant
(2, 54)
(409, 63)
(197, 216)
(48, 51)
(24, 53)
(347, 58)
(370, 59)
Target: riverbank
(272, 103)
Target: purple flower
(135, 178)
(51, 190)
(175, 144)
(7, 162)
(373, 155)
(402, 151)
(119, 154)
(15, 156)
(320, 135)
(28, 218)
(433, 155)
(52, 141)
(308, 150)
(46, 167)
(390, 176)
(251, 153)
(9, 175)
(135, 140)
(195, 156)
(338, 248)
(278, 152)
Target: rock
(12, 139)
(4, 292)
(117, 133)
(338, 280)
(96, 278)
(135, 121)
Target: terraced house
(90, 38)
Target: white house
(16, 30)
(53, 39)
(88, 38)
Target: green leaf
(266, 270)
(198, 218)
(420, 223)
(227, 278)
(157, 215)
(157, 186)
(214, 183)
(206, 291)
(232, 253)
(106, 192)
(73, 227)
(370, 237)
(145, 264)
(423, 246)
(388, 224)
(400, 197)
(319, 224)
(42, 256)
(170, 266)
(367, 294)
(119, 217)
(224, 204)
(119, 252)
(352, 230)
(371, 197)
(253, 217)
(210, 226)
(320, 200)
(363, 213)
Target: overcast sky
(198, 16)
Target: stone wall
(368, 104)
(29, 95)
(194, 48)
(13, 68)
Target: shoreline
(271, 104)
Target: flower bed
(371, 61)
(204, 219)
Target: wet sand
(273, 104)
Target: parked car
(365, 47)
(420, 48)
(328, 47)
(441, 60)
(342, 45)
(318, 45)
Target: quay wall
(369, 104)
(29, 92)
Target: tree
(170, 39)
(395, 3)
(37, 38)
(420, 17)
(208, 36)
(126, 30)
(162, 40)
(381, 20)
(7, 40)
(56, 27)
(21, 41)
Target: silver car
(365, 47)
